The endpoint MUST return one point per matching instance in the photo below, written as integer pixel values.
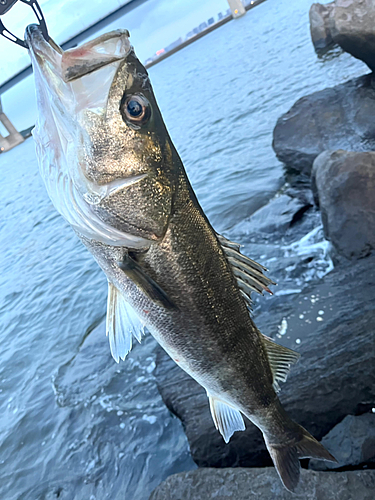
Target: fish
(112, 171)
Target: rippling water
(73, 424)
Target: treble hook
(6, 5)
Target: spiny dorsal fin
(121, 324)
(280, 358)
(248, 273)
(227, 419)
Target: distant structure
(237, 8)
(13, 138)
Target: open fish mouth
(78, 61)
(73, 75)
(69, 85)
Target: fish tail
(285, 456)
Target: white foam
(312, 244)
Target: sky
(152, 26)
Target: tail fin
(286, 456)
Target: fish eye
(135, 109)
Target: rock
(336, 118)
(347, 23)
(320, 32)
(352, 26)
(332, 321)
(345, 185)
(352, 442)
(280, 213)
(252, 484)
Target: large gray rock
(253, 484)
(319, 28)
(352, 442)
(280, 213)
(352, 26)
(347, 23)
(333, 320)
(336, 118)
(344, 183)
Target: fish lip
(33, 30)
(37, 43)
(79, 61)
(45, 55)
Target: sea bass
(111, 170)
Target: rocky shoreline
(327, 144)
(253, 484)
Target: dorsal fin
(122, 323)
(248, 273)
(280, 358)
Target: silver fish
(111, 170)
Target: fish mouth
(70, 85)
(79, 61)
(80, 77)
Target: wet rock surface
(282, 212)
(347, 23)
(352, 442)
(320, 32)
(331, 324)
(352, 26)
(331, 119)
(344, 185)
(251, 484)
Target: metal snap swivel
(6, 5)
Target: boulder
(347, 23)
(352, 442)
(280, 213)
(335, 118)
(344, 186)
(331, 324)
(352, 26)
(319, 28)
(253, 484)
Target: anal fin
(121, 325)
(227, 419)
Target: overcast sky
(152, 26)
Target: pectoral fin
(149, 287)
(121, 325)
(227, 419)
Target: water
(73, 424)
